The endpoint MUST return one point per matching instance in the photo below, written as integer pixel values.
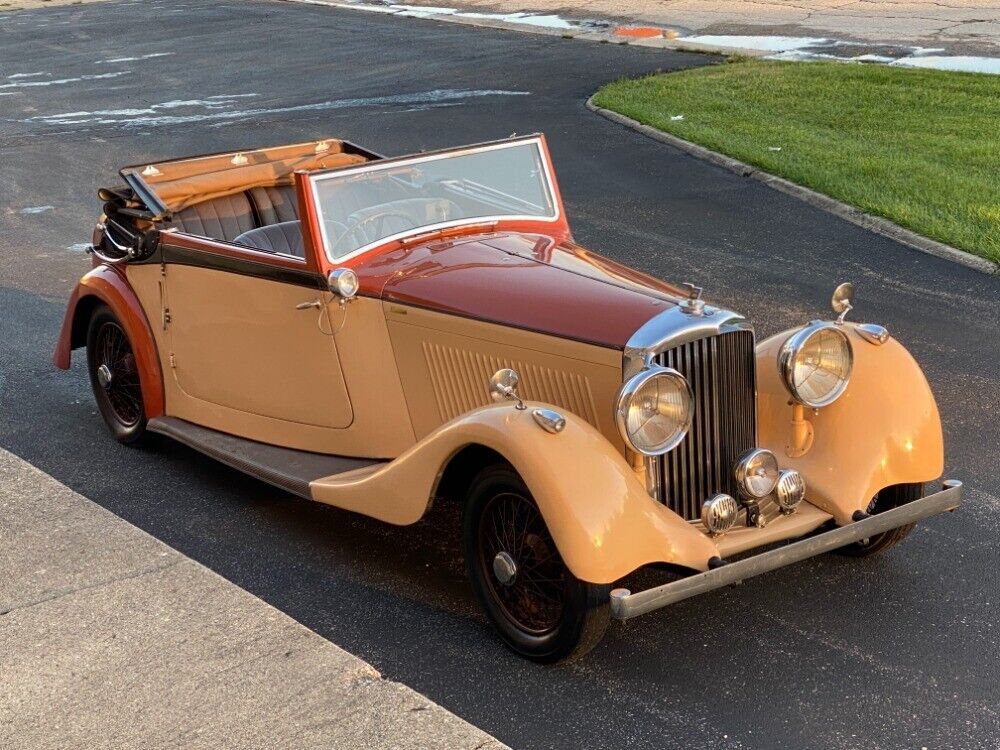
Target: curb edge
(833, 206)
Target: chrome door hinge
(166, 316)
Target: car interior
(250, 199)
(245, 198)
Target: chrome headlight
(719, 513)
(654, 410)
(815, 364)
(757, 473)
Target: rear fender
(106, 285)
(884, 430)
(601, 518)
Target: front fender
(884, 430)
(105, 284)
(601, 518)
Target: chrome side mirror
(503, 386)
(842, 300)
(343, 283)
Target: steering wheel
(354, 228)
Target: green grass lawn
(919, 147)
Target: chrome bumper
(625, 604)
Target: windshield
(366, 206)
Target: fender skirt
(884, 430)
(107, 285)
(601, 518)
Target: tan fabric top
(183, 183)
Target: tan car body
(383, 378)
(417, 390)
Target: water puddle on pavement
(225, 108)
(541, 20)
(22, 84)
(812, 48)
(133, 59)
(956, 62)
(779, 47)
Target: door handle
(306, 305)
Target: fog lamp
(719, 513)
(757, 473)
(790, 490)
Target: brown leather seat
(284, 238)
(275, 204)
(220, 218)
(228, 217)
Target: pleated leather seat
(228, 217)
(220, 218)
(285, 238)
(275, 204)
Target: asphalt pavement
(899, 651)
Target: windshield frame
(384, 164)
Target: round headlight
(815, 364)
(757, 473)
(654, 410)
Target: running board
(286, 468)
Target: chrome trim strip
(674, 327)
(625, 604)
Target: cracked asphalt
(900, 651)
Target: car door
(251, 344)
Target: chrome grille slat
(721, 371)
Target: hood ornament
(694, 304)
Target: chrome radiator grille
(722, 373)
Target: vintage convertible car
(380, 333)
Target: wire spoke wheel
(534, 595)
(118, 374)
(537, 606)
(114, 376)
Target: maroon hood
(525, 281)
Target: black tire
(543, 613)
(890, 497)
(117, 389)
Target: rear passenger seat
(228, 217)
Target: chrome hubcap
(104, 376)
(504, 568)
